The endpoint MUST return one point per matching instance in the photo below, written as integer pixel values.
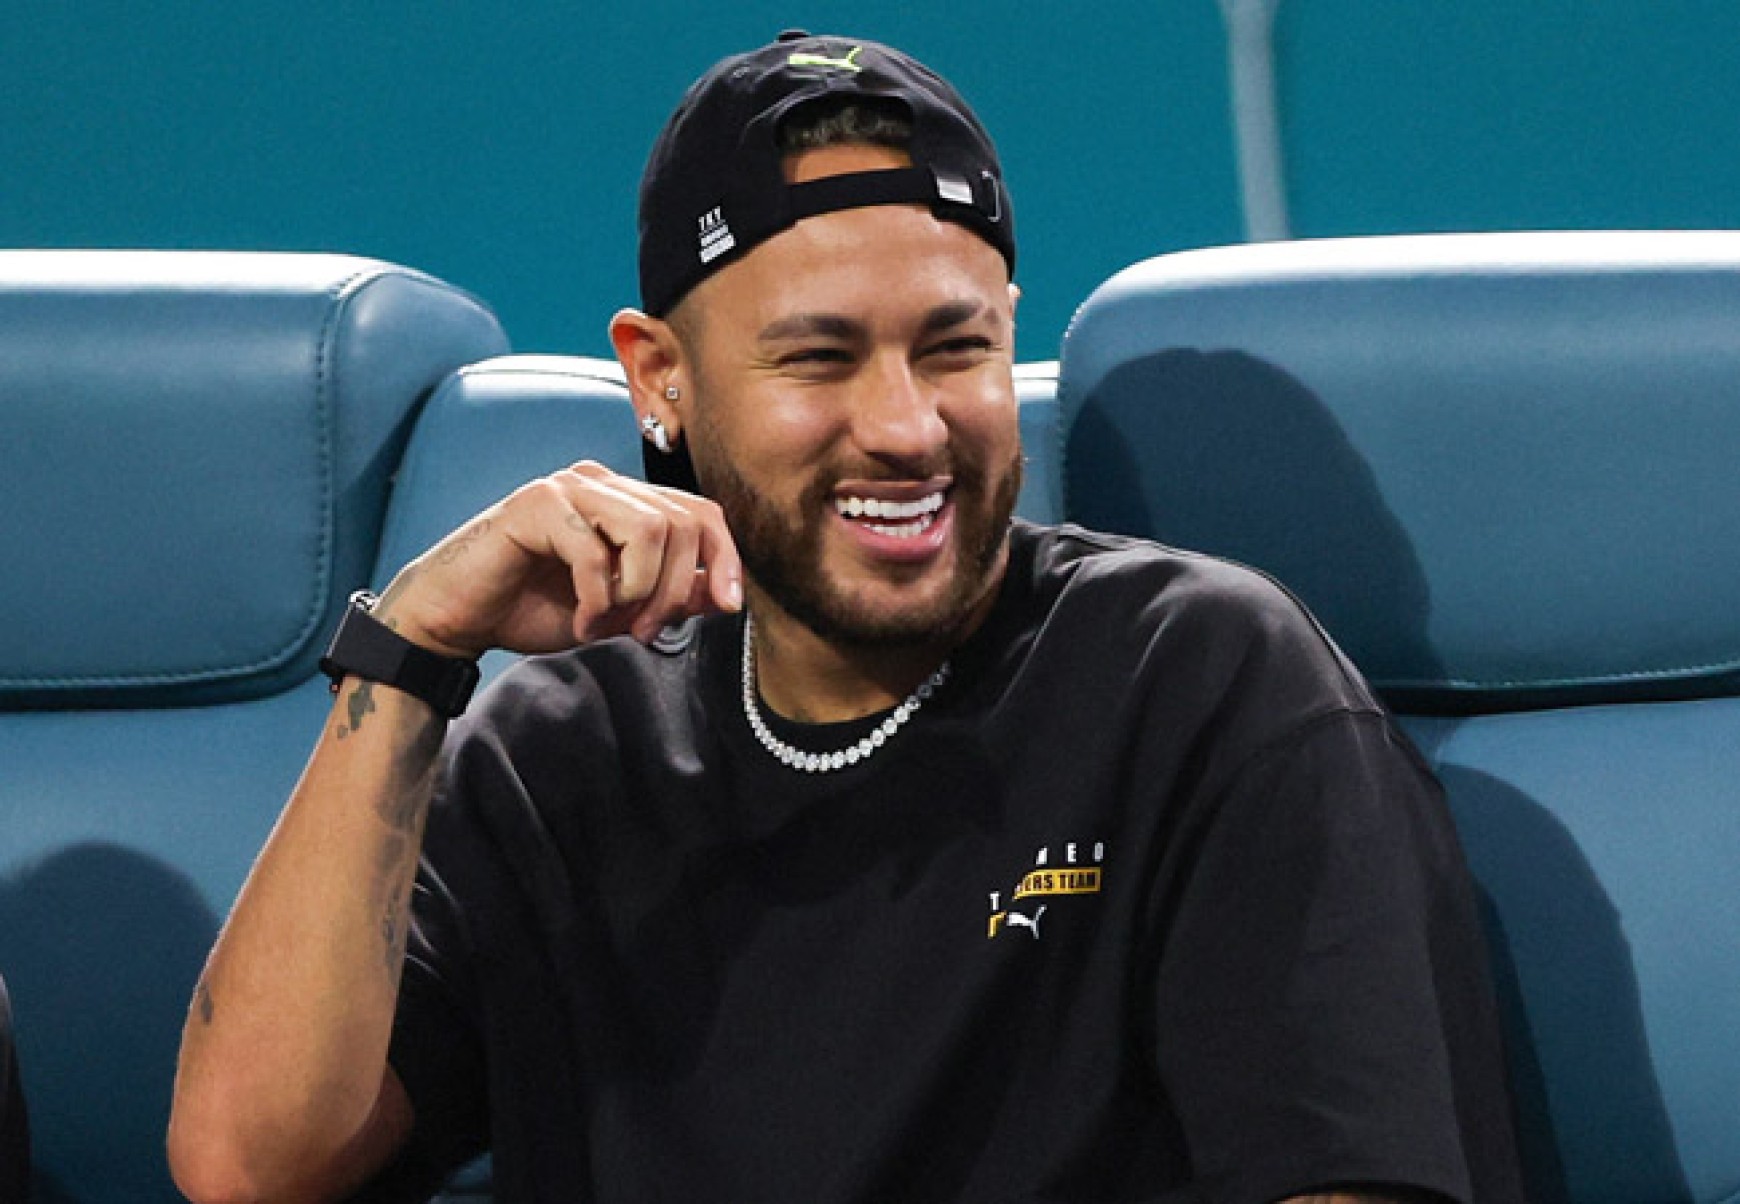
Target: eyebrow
(810, 325)
(951, 314)
(798, 326)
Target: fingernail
(734, 592)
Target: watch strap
(365, 647)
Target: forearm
(283, 1089)
(284, 1050)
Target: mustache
(966, 473)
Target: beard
(783, 551)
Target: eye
(814, 354)
(816, 359)
(962, 347)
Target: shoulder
(1133, 588)
(1077, 557)
(1110, 565)
(1211, 624)
(591, 726)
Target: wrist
(423, 637)
(366, 647)
(399, 609)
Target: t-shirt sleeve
(1321, 986)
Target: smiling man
(849, 840)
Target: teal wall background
(499, 146)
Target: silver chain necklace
(811, 762)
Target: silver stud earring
(672, 393)
(655, 432)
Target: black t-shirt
(1149, 902)
(14, 1126)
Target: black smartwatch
(365, 647)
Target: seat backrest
(1041, 496)
(1501, 469)
(196, 451)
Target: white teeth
(904, 530)
(870, 507)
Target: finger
(690, 524)
(702, 571)
(545, 522)
(700, 599)
(687, 542)
(591, 563)
(724, 575)
(669, 602)
(636, 533)
(635, 522)
(523, 585)
(654, 542)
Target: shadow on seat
(1500, 469)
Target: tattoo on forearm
(394, 935)
(401, 806)
(404, 795)
(412, 777)
(391, 869)
(361, 703)
(202, 1001)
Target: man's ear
(652, 360)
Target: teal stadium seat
(1502, 470)
(203, 455)
(196, 453)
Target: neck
(803, 676)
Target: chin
(791, 556)
(884, 614)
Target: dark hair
(846, 120)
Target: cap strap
(891, 186)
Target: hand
(576, 556)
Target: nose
(896, 416)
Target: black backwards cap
(715, 183)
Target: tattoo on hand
(461, 543)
